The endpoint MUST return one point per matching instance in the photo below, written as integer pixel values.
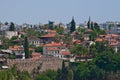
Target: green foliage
(32, 32)
(6, 75)
(108, 61)
(64, 73)
(88, 71)
(81, 32)
(92, 49)
(12, 56)
(51, 74)
(96, 26)
(26, 48)
(93, 35)
(70, 75)
(101, 32)
(89, 24)
(67, 39)
(14, 38)
(79, 49)
(92, 25)
(14, 70)
(73, 26)
(60, 30)
(12, 74)
(24, 76)
(5, 43)
(48, 75)
(39, 49)
(42, 77)
(12, 27)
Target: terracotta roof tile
(49, 35)
(98, 40)
(54, 44)
(65, 52)
(51, 49)
(13, 48)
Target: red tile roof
(52, 31)
(51, 49)
(65, 52)
(49, 35)
(54, 44)
(36, 56)
(113, 35)
(31, 49)
(14, 48)
(98, 40)
(76, 41)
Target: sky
(41, 11)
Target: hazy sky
(35, 11)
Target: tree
(81, 32)
(51, 74)
(73, 26)
(63, 74)
(95, 73)
(93, 35)
(92, 25)
(104, 61)
(12, 27)
(60, 30)
(12, 56)
(26, 48)
(42, 77)
(6, 23)
(101, 32)
(24, 76)
(67, 39)
(82, 72)
(59, 75)
(14, 38)
(39, 49)
(96, 26)
(5, 43)
(63, 66)
(89, 24)
(79, 49)
(70, 75)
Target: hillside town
(40, 47)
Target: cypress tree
(89, 24)
(12, 27)
(63, 66)
(26, 48)
(92, 25)
(72, 27)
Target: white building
(10, 34)
(53, 49)
(112, 27)
(18, 51)
(35, 41)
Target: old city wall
(41, 65)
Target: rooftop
(54, 44)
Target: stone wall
(41, 65)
